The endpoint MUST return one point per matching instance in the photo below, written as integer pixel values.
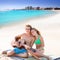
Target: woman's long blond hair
(36, 31)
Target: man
(29, 39)
(26, 36)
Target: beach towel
(57, 58)
(4, 57)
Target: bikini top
(38, 41)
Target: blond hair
(36, 31)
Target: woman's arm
(42, 41)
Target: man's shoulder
(23, 34)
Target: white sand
(48, 26)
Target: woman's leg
(45, 56)
(40, 53)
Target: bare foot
(4, 52)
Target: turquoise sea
(20, 15)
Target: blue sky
(9, 4)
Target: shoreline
(28, 19)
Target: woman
(38, 52)
(39, 42)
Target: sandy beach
(48, 26)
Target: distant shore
(28, 8)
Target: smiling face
(33, 32)
(27, 29)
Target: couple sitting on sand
(23, 44)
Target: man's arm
(32, 42)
